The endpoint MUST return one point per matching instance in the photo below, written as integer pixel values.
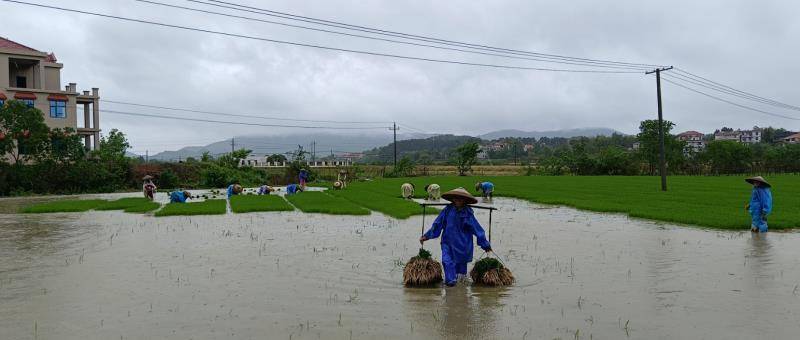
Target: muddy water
(111, 275)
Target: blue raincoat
(177, 197)
(291, 189)
(263, 190)
(457, 226)
(487, 188)
(230, 191)
(760, 207)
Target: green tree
(276, 158)
(65, 147)
(23, 133)
(112, 147)
(232, 160)
(649, 148)
(727, 157)
(466, 156)
(404, 168)
(206, 157)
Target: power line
(241, 115)
(747, 94)
(730, 102)
(241, 123)
(441, 61)
(290, 16)
(376, 38)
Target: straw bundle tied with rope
(422, 270)
(491, 272)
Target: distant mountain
(584, 132)
(267, 145)
(433, 148)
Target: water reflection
(461, 312)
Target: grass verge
(252, 203)
(130, 204)
(63, 206)
(320, 202)
(209, 207)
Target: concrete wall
(52, 78)
(4, 71)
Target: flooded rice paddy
(289, 275)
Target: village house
(791, 139)
(34, 77)
(694, 141)
(527, 147)
(741, 136)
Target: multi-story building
(34, 77)
(751, 136)
(694, 141)
(741, 136)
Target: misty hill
(433, 148)
(267, 145)
(584, 132)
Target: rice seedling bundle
(491, 272)
(422, 270)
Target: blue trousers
(451, 268)
(759, 222)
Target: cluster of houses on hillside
(696, 141)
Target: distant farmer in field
(407, 190)
(265, 189)
(760, 204)
(303, 177)
(486, 189)
(292, 189)
(179, 196)
(457, 223)
(149, 188)
(342, 178)
(338, 185)
(234, 189)
(434, 192)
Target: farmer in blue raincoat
(234, 189)
(760, 204)
(485, 188)
(457, 225)
(179, 196)
(292, 189)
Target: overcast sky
(749, 45)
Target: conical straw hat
(146, 177)
(758, 179)
(461, 193)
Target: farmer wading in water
(760, 204)
(457, 224)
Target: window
(28, 102)
(22, 82)
(58, 109)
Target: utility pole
(662, 156)
(313, 151)
(394, 129)
(233, 144)
(515, 153)
(147, 156)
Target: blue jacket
(457, 228)
(487, 187)
(761, 201)
(291, 189)
(177, 197)
(230, 191)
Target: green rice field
(381, 200)
(320, 202)
(63, 206)
(208, 207)
(130, 204)
(716, 202)
(253, 203)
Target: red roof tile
(59, 97)
(24, 95)
(5, 43)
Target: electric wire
(747, 94)
(730, 102)
(290, 16)
(235, 35)
(382, 39)
(241, 123)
